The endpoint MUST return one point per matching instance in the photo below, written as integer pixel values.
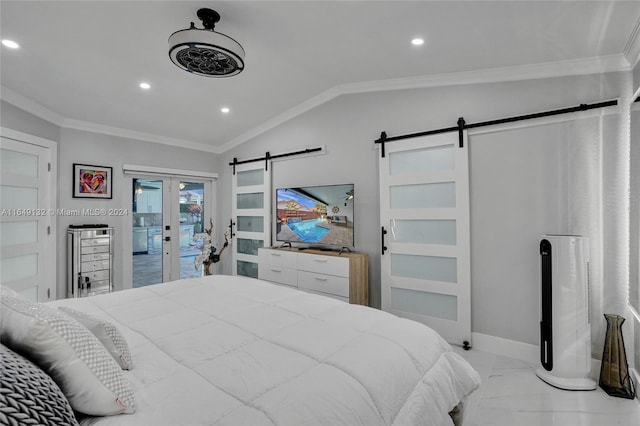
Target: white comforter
(224, 350)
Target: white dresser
(343, 276)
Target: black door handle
(384, 231)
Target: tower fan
(565, 329)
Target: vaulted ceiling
(80, 62)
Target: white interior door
(424, 218)
(251, 201)
(26, 202)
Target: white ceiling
(80, 62)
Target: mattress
(225, 350)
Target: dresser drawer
(94, 266)
(94, 257)
(278, 274)
(96, 275)
(285, 259)
(90, 242)
(330, 265)
(96, 287)
(323, 283)
(94, 249)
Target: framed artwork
(91, 181)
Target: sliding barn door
(251, 198)
(424, 221)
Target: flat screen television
(315, 215)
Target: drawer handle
(320, 279)
(275, 254)
(276, 270)
(321, 260)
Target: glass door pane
(192, 222)
(147, 231)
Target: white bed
(225, 350)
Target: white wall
(523, 182)
(634, 258)
(77, 146)
(14, 118)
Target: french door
(27, 234)
(166, 214)
(251, 210)
(424, 218)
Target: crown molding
(16, 99)
(632, 47)
(299, 109)
(132, 134)
(596, 65)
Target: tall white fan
(565, 329)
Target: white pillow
(106, 333)
(87, 374)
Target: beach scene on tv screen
(320, 215)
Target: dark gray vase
(614, 372)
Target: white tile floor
(512, 395)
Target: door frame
(52, 259)
(131, 171)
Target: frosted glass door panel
(250, 223)
(423, 196)
(19, 163)
(250, 201)
(18, 267)
(13, 197)
(421, 160)
(247, 269)
(18, 233)
(247, 246)
(424, 231)
(424, 267)
(250, 177)
(425, 303)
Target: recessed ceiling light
(145, 86)
(417, 41)
(225, 110)
(10, 43)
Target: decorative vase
(614, 372)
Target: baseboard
(505, 347)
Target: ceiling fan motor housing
(204, 51)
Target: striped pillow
(28, 396)
(87, 374)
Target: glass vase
(614, 372)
